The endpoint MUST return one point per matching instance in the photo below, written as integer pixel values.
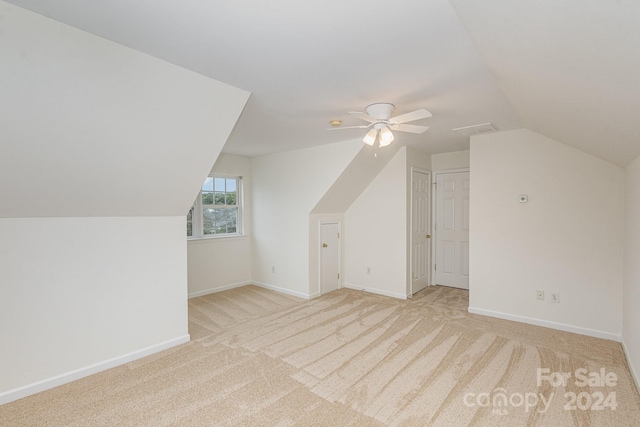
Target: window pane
(220, 220)
(231, 198)
(220, 184)
(208, 185)
(207, 198)
(208, 221)
(231, 185)
(219, 198)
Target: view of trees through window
(218, 204)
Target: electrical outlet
(555, 297)
(368, 270)
(540, 295)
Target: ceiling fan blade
(363, 116)
(409, 117)
(350, 127)
(409, 128)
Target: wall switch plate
(368, 270)
(555, 297)
(540, 295)
(273, 268)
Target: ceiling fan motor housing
(380, 111)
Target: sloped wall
(103, 151)
(357, 176)
(286, 187)
(91, 128)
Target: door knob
(428, 236)
(324, 245)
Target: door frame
(340, 280)
(429, 227)
(434, 211)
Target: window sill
(213, 238)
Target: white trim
(219, 289)
(634, 372)
(214, 237)
(376, 291)
(58, 380)
(421, 170)
(548, 324)
(429, 227)
(285, 291)
(453, 170)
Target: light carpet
(349, 358)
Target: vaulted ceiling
(566, 69)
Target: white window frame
(197, 219)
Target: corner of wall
(631, 288)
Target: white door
(329, 258)
(420, 229)
(452, 229)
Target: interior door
(452, 229)
(420, 229)
(329, 258)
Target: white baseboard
(547, 324)
(283, 290)
(632, 368)
(375, 291)
(250, 282)
(219, 289)
(58, 380)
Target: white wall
(92, 128)
(286, 187)
(567, 238)
(375, 233)
(215, 264)
(452, 160)
(631, 291)
(116, 144)
(80, 295)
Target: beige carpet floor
(260, 358)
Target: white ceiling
(565, 69)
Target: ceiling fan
(381, 123)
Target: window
(216, 211)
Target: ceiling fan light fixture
(386, 137)
(381, 123)
(370, 137)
